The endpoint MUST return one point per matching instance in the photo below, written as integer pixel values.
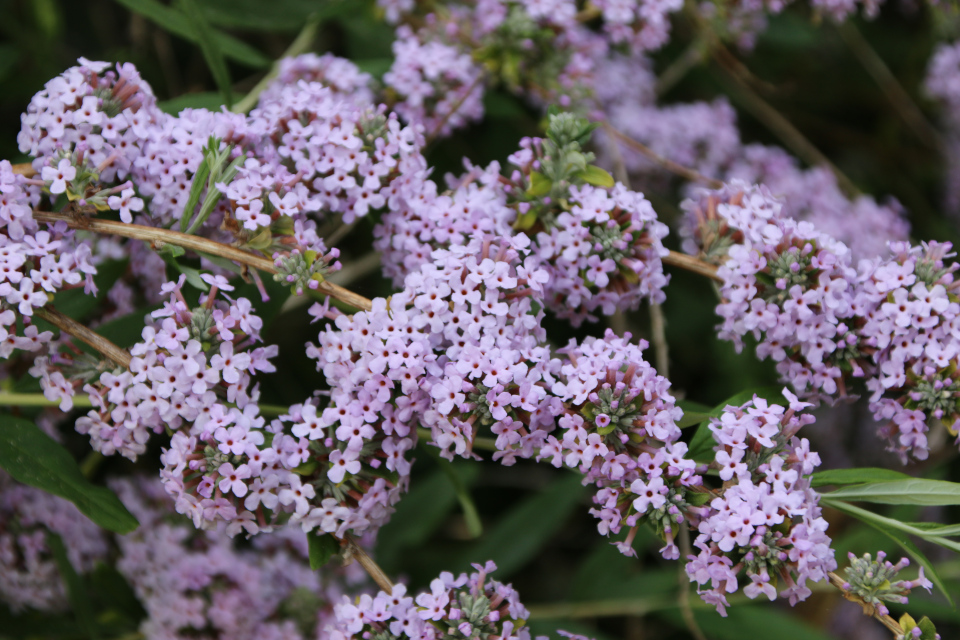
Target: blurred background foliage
(534, 519)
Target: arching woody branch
(159, 237)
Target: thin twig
(39, 400)
(774, 120)
(354, 270)
(433, 135)
(692, 56)
(25, 169)
(898, 97)
(690, 263)
(356, 552)
(868, 609)
(686, 608)
(83, 334)
(159, 237)
(671, 166)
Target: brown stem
(671, 166)
(774, 120)
(692, 264)
(83, 334)
(25, 169)
(159, 237)
(353, 550)
(896, 95)
(868, 609)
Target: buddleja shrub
(149, 255)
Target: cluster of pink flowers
(619, 429)
(911, 319)
(786, 283)
(200, 584)
(766, 522)
(891, 323)
(29, 576)
(600, 247)
(465, 606)
(437, 84)
(34, 263)
(190, 367)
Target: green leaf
(749, 621)
(539, 184)
(525, 528)
(917, 491)
(927, 629)
(77, 593)
(209, 100)
(474, 526)
(895, 530)
(193, 275)
(211, 48)
(597, 177)
(34, 458)
(196, 189)
(855, 476)
(284, 15)
(321, 548)
(702, 443)
(178, 24)
(936, 528)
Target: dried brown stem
(898, 97)
(868, 609)
(356, 552)
(85, 335)
(671, 166)
(692, 264)
(159, 237)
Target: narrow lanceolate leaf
(206, 38)
(34, 458)
(855, 476)
(596, 176)
(917, 491)
(896, 531)
(178, 24)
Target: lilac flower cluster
(789, 285)
(202, 585)
(465, 606)
(88, 125)
(34, 263)
(191, 366)
(599, 242)
(911, 315)
(29, 576)
(438, 85)
(338, 74)
(766, 522)
(619, 429)
(317, 152)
